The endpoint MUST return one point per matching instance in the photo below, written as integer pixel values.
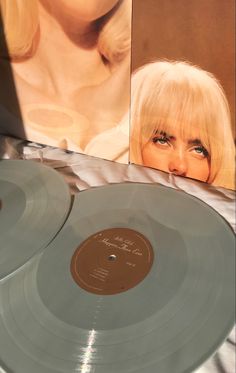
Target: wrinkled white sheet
(82, 172)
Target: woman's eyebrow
(194, 142)
(163, 133)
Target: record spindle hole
(112, 257)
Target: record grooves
(35, 202)
(171, 319)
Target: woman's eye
(201, 150)
(160, 140)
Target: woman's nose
(178, 164)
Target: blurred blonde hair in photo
(166, 94)
(21, 22)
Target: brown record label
(112, 261)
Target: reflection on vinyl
(35, 201)
(139, 279)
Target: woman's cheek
(155, 158)
(198, 169)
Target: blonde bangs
(174, 106)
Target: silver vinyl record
(34, 203)
(140, 279)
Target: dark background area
(199, 31)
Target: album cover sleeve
(182, 88)
(65, 74)
(65, 81)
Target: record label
(112, 261)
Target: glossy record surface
(170, 322)
(35, 201)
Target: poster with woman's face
(66, 80)
(65, 74)
(182, 88)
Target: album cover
(182, 88)
(73, 77)
(65, 74)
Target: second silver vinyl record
(140, 279)
(34, 203)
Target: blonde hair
(114, 40)
(21, 23)
(165, 94)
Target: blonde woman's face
(184, 156)
(86, 10)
